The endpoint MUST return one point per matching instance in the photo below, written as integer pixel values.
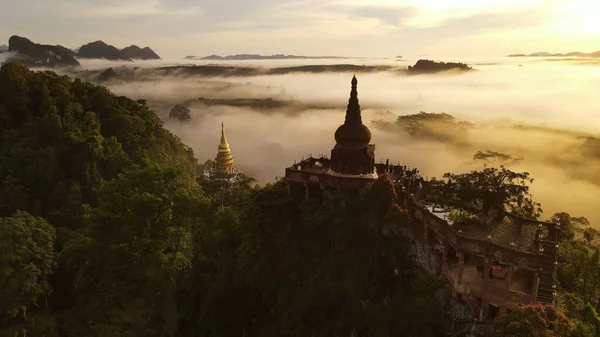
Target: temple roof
(353, 132)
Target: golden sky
(378, 28)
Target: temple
(224, 159)
(352, 163)
(352, 153)
(492, 262)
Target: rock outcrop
(136, 53)
(34, 54)
(428, 66)
(101, 50)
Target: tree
(460, 216)
(493, 156)
(493, 189)
(180, 112)
(579, 270)
(137, 244)
(569, 225)
(224, 188)
(437, 126)
(533, 320)
(107, 75)
(301, 269)
(26, 260)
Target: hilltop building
(224, 159)
(492, 262)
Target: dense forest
(106, 232)
(107, 229)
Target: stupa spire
(224, 158)
(353, 115)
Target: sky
(376, 28)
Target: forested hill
(105, 232)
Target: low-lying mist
(502, 100)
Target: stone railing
(482, 246)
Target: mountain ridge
(241, 57)
(35, 54)
(101, 50)
(547, 54)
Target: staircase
(548, 272)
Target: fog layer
(496, 97)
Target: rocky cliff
(34, 54)
(101, 50)
(136, 53)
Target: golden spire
(224, 158)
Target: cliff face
(34, 54)
(136, 53)
(101, 50)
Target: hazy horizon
(377, 28)
(559, 98)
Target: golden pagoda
(224, 158)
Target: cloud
(351, 27)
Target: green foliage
(119, 189)
(437, 126)
(107, 75)
(136, 245)
(224, 188)
(312, 269)
(533, 320)
(460, 216)
(429, 66)
(143, 248)
(579, 274)
(493, 156)
(579, 269)
(570, 225)
(26, 260)
(180, 112)
(253, 103)
(494, 189)
(60, 139)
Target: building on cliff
(224, 159)
(492, 262)
(352, 163)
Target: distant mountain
(101, 50)
(136, 53)
(3, 48)
(34, 54)
(243, 57)
(546, 54)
